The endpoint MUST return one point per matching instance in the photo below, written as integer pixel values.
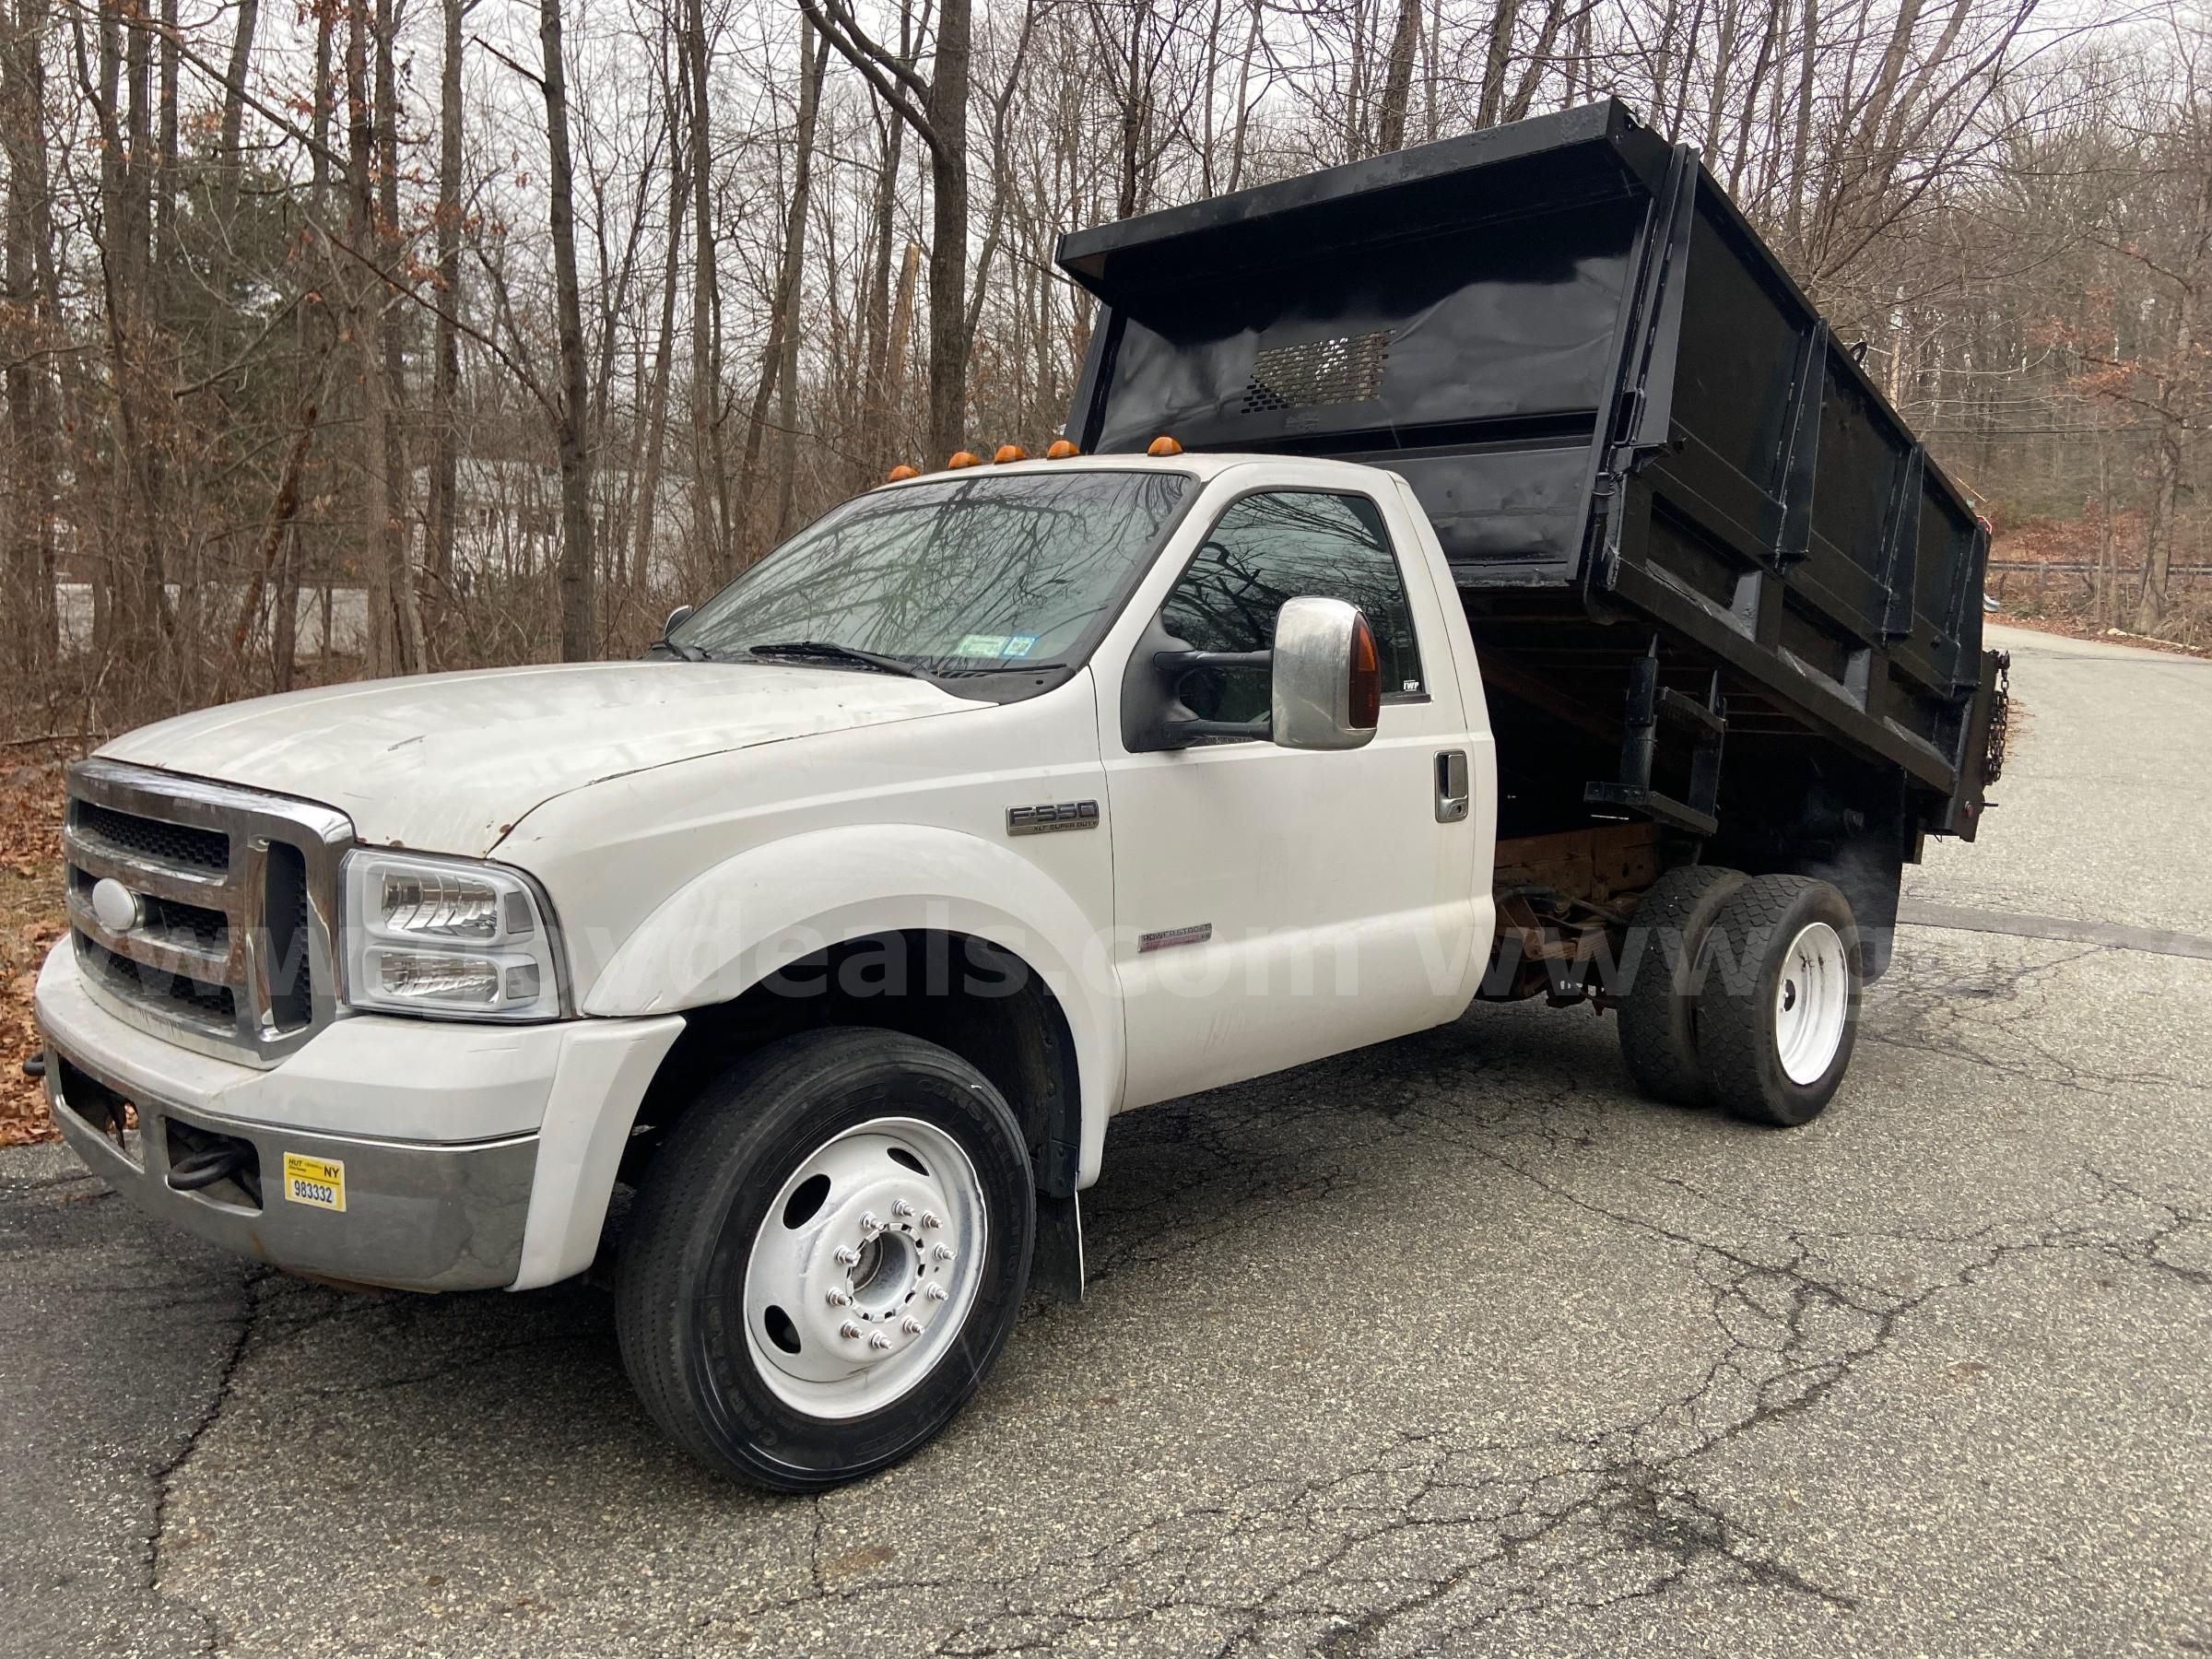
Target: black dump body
(1665, 491)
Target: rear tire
(1778, 1010)
(1659, 1003)
(828, 1254)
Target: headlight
(448, 937)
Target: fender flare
(733, 926)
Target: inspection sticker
(319, 1181)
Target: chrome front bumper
(417, 1215)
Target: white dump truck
(1432, 614)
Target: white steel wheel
(864, 1267)
(1812, 1003)
(827, 1256)
(1778, 1001)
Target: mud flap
(1056, 1269)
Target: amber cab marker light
(1009, 452)
(1164, 446)
(901, 473)
(963, 458)
(1062, 450)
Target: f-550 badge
(1037, 820)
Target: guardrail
(2008, 566)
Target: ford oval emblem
(115, 906)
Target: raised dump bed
(1684, 521)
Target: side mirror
(1327, 680)
(675, 619)
(1325, 684)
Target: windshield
(975, 576)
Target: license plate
(319, 1182)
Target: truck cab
(402, 977)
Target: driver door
(1273, 905)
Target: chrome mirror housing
(1327, 681)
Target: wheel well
(1813, 810)
(960, 992)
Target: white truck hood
(450, 762)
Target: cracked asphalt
(1452, 1345)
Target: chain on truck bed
(2000, 720)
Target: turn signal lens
(1364, 705)
(901, 473)
(1009, 452)
(1062, 450)
(1164, 446)
(963, 458)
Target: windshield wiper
(824, 651)
(689, 654)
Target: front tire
(1779, 1011)
(828, 1254)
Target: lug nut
(929, 1218)
(840, 1299)
(936, 1293)
(847, 1256)
(910, 1326)
(869, 1224)
(878, 1341)
(901, 1208)
(848, 1330)
(940, 1252)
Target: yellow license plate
(318, 1181)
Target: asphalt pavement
(1453, 1345)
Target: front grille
(232, 899)
(186, 997)
(194, 926)
(151, 837)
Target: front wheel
(1778, 1010)
(828, 1254)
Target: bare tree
(710, 486)
(33, 331)
(445, 357)
(234, 112)
(780, 356)
(656, 408)
(1397, 82)
(936, 109)
(579, 639)
(396, 618)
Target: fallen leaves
(30, 922)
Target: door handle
(1452, 786)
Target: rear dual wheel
(1779, 1012)
(1658, 1001)
(1741, 992)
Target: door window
(1281, 544)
